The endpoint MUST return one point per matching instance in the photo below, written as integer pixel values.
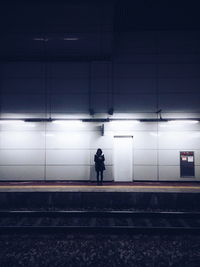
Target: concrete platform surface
(65, 186)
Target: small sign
(184, 158)
(190, 159)
(187, 167)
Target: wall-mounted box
(187, 164)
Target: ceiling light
(41, 39)
(71, 39)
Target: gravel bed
(99, 250)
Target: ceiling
(84, 30)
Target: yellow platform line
(95, 186)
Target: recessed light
(41, 39)
(71, 39)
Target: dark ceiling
(76, 30)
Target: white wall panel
(21, 173)
(144, 140)
(179, 140)
(22, 140)
(197, 157)
(64, 140)
(197, 172)
(98, 141)
(22, 157)
(176, 127)
(69, 127)
(131, 126)
(169, 157)
(21, 127)
(144, 173)
(145, 157)
(67, 172)
(169, 173)
(74, 157)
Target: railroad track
(99, 222)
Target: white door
(123, 158)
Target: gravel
(99, 250)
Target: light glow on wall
(12, 122)
(124, 122)
(120, 125)
(182, 122)
(178, 123)
(69, 123)
(17, 123)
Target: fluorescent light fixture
(180, 122)
(71, 39)
(41, 39)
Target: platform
(87, 195)
(165, 187)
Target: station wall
(148, 71)
(47, 151)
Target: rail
(112, 222)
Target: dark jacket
(99, 162)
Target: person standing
(99, 164)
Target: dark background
(66, 57)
